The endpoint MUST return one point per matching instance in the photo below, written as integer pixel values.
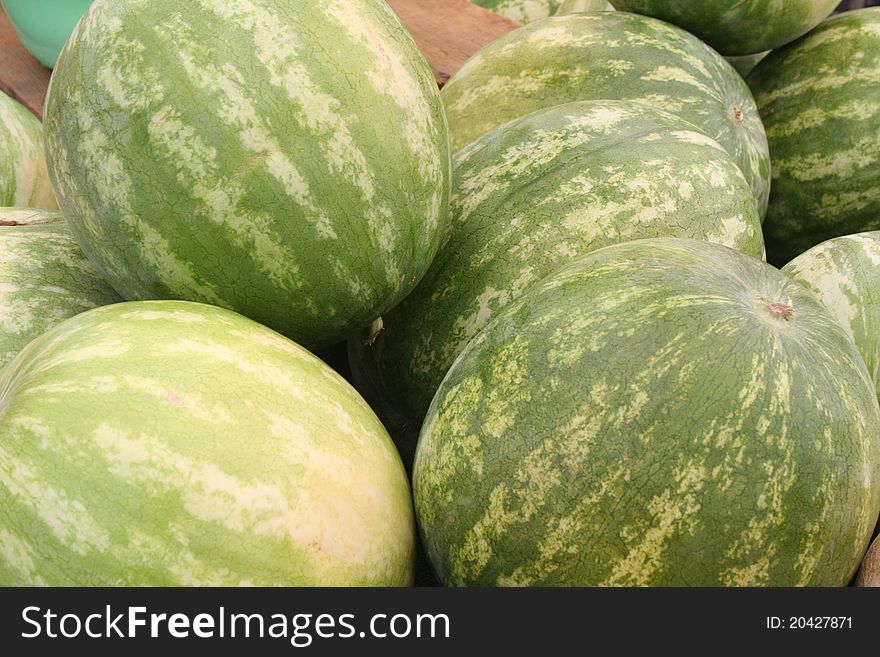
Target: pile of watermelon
(604, 311)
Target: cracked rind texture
(528, 198)
(24, 180)
(737, 27)
(44, 278)
(610, 56)
(844, 273)
(287, 159)
(661, 412)
(168, 443)
(819, 98)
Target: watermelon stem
(373, 332)
(782, 310)
(738, 115)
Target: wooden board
(447, 31)
(450, 31)
(21, 75)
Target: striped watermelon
(528, 11)
(844, 273)
(527, 198)
(737, 27)
(745, 64)
(173, 443)
(24, 180)
(661, 412)
(609, 55)
(521, 11)
(820, 101)
(287, 159)
(44, 278)
(575, 6)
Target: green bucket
(44, 25)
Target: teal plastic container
(44, 25)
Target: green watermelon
(575, 6)
(44, 278)
(24, 180)
(660, 412)
(737, 27)
(527, 198)
(287, 159)
(521, 11)
(169, 443)
(745, 64)
(611, 56)
(844, 273)
(820, 101)
(528, 11)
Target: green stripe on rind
(521, 11)
(610, 56)
(528, 11)
(282, 158)
(44, 278)
(24, 180)
(845, 274)
(527, 198)
(645, 417)
(172, 443)
(745, 64)
(576, 6)
(820, 101)
(737, 27)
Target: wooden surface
(447, 31)
(450, 31)
(21, 75)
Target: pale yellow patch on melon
(564, 536)
(672, 511)
(675, 74)
(832, 285)
(519, 499)
(180, 562)
(67, 518)
(197, 169)
(279, 378)
(277, 47)
(19, 556)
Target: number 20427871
(809, 623)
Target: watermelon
(609, 56)
(170, 443)
(527, 198)
(745, 64)
(660, 412)
(24, 180)
(44, 277)
(869, 573)
(737, 27)
(844, 273)
(528, 11)
(521, 11)
(286, 159)
(575, 6)
(820, 101)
